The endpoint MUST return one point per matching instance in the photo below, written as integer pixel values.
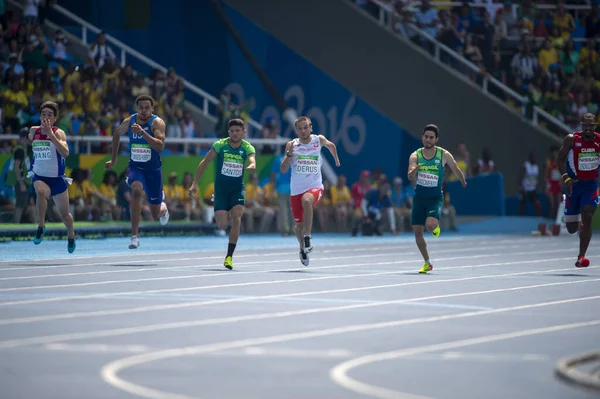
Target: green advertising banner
(177, 164)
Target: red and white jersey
(47, 161)
(582, 161)
(306, 166)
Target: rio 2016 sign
(323, 123)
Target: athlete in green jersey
(230, 193)
(426, 172)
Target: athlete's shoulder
(248, 147)
(219, 144)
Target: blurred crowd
(546, 51)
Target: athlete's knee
(418, 230)
(307, 201)
(431, 224)
(42, 192)
(136, 192)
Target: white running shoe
(308, 244)
(164, 219)
(134, 243)
(304, 258)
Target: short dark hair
(432, 128)
(52, 106)
(236, 122)
(144, 97)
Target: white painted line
(482, 240)
(490, 357)
(292, 257)
(291, 352)
(268, 282)
(97, 348)
(227, 320)
(339, 373)
(111, 370)
(229, 273)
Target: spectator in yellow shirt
(15, 100)
(174, 196)
(191, 206)
(564, 21)
(342, 203)
(254, 207)
(324, 208)
(107, 197)
(547, 56)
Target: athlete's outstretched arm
(287, 159)
(116, 141)
(331, 147)
(251, 163)
(413, 167)
(561, 160)
(202, 165)
(159, 131)
(449, 160)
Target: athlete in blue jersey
(146, 140)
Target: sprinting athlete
(303, 154)
(48, 171)
(230, 193)
(578, 165)
(146, 140)
(426, 171)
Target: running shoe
(304, 258)
(582, 262)
(71, 245)
(164, 219)
(426, 268)
(39, 234)
(228, 263)
(134, 243)
(308, 244)
(436, 233)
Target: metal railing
(187, 142)
(487, 83)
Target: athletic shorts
(581, 196)
(227, 198)
(426, 207)
(58, 185)
(152, 181)
(296, 201)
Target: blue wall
(484, 195)
(188, 35)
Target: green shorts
(425, 207)
(225, 199)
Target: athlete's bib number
(427, 180)
(141, 152)
(307, 164)
(588, 162)
(232, 169)
(42, 150)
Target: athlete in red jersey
(553, 183)
(578, 165)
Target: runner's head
(145, 106)
(49, 110)
(237, 129)
(303, 127)
(588, 126)
(430, 137)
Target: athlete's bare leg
(236, 222)
(585, 233)
(42, 191)
(62, 204)
(420, 239)
(308, 199)
(136, 206)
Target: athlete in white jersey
(48, 171)
(528, 178)
(303, 155)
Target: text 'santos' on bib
(141, 152)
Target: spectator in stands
(30, 12)
(99, 52)
(485, 165)
(358, 191)
(192, 206)
(60, 43)
(175, 196)
(427, 20)
(17, 178)
(341, 200)
(448, 216)
(524, 63)
(124, 197)
(528, 181)
(255, 208)
(375, 202)
(324, 209)
(282, 184)
(564, 21)
(401, 199)
(107, 197)
(15, 101)
(270, 131)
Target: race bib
(588, 161)
(141, 152)
(232, 168)
(427, 179)
(307, 164)
(42, 150)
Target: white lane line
(245, 284)
(483, 357)
(339, 373)
(111, 370)
(450, 240)
(219, 321)
(293, 257)
(193, 276)
(97, 348)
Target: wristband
(566, 180)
